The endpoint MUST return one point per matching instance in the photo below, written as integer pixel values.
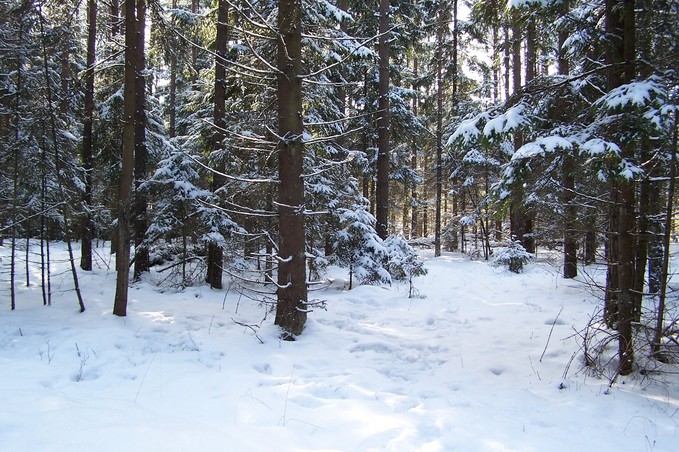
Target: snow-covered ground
(470, 366)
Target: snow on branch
(598, 146)
(490, 126)
(468, 130)
(635, 94)
(543, 146)
(526, 3)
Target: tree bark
(517, 215)
(141, 252)
(215, 253)
(626, 259)
(194, 49)
(125, 191)
(291, 308)
(570, 243)
(413, 162)
(86, 226)
(173, 88)
(383, 151)
(620, 56)
(439, 129)
(115, 17)
(669, 212)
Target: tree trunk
(655, 247)
(291, 308)
(620, 28)
(141, 251)
(570, 243)
(413, 162)
(626, 259)
(215, 253)
(506, 59)
(383, 151)
(642, 242)
(173, 88)
(439, 129)
(86, 226)
(517, 215)
(658, 331)
(590, 239)
(125, 191)
(194, 48)
(531, 61)
(115, 17)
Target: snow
(597, 146)
(467, 130)
(461, 368)
(633, 94)
(542, 146)
(527, 3)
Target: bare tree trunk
(658, 333)
(115, 16)
(59, 169)
(27, 258)
(620, 27)
(626, 231)
(173, 88)
(86, 227)
(141, 251)
(516, 209)
(194, 48)
(642, 242)
(570, 243)
(125, 192)
(291, 308)
(383, 151)
(655, 248)
(506, 59)
(439, 129)
(413, 162)
(215, 253)
(531, 62)
(15, 170)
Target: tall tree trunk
(570, 243)
(64, 104)
(383, 151)
(173, 87)
(655, 248)
(621, 53)
(291, 308)
(413, 160)
(15, 164)
(590, 239)
(125, 191)
(215, 253)
(141, 251)
(86, 226)
(439, 128)
(531, 63)
(58, 166)
(114, 6)
(626, 249)
(658, 332)
(642, 238)
(516, 209)
(649, 202)
(194, 48)
(506, 59)
(425, 197)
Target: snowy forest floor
(482, 361)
